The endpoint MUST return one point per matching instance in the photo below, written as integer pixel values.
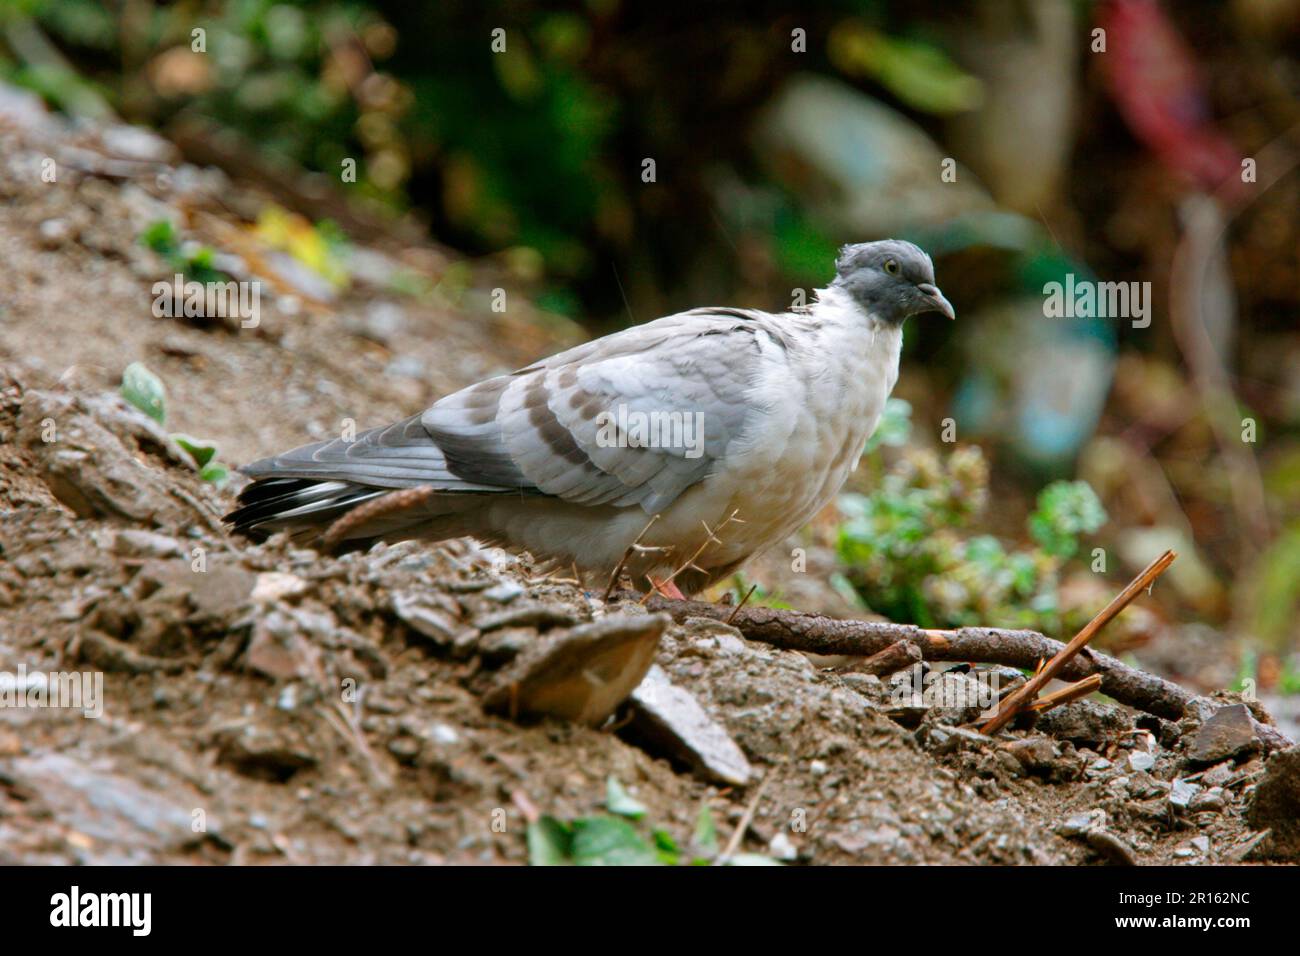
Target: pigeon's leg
(666, 587)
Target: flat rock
(526, 614)
(580, 674)
(1182, 793)
(264, 752)
(670, 718)
(1230, 731)
(1036, 754)
(276, 586)
(438, 626)
(278, 649)
(139, 543)
(1141, 760)
(122, 821)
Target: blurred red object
(1154, 82)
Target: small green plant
(614, 840)
(194, 264)
(145, 390)
(910, 552)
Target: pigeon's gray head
(890, 279)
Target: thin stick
(1066, 695)
(732, 616)
(1017, 701)
(738, 834)
(622, 562)
(383, 506)
(344, 725)
(710, 537)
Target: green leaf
(160, 236)
(666, 848)
(215, 472)
(550, 842)
(143, 389)
(609, 841)
(618, 800)
(199, 449)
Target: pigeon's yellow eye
(891, 266)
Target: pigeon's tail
(301, 506)
(392, 482)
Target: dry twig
(710, 537)
(1066, 695)
(733, 844)
(892, 659)
(1022, 697)
(732, 616)
(632, 549)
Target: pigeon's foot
(666, 588)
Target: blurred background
(615, 161)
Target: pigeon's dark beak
(934, 298)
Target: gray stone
(1181, 793)
(670, 718)
(1085, 722)
(1229, 732)
(439, 627)
(1211, 801)
(138, 543)
(505, 592)
(1080, 823)
(1141, 760)
(526, 614)
(126, 822)
(780, 847)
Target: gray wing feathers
(561, 427)
(400, 455)
(571, 423)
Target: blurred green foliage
(910, 553)
(509, 125)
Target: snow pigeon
(680, 447)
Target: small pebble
(1141, 760)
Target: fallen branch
(1022, 697)
(816, 634)
(892, 659)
